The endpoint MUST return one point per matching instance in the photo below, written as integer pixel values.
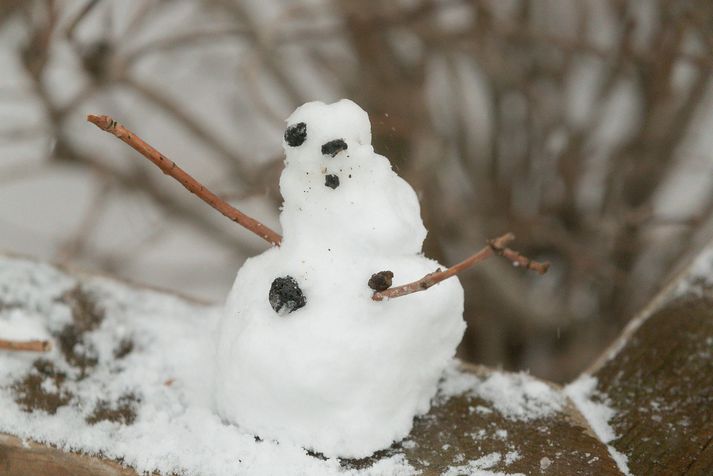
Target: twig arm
(26, 345)
(498, 246)
(107, 124)
(516, 258)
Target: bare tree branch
(498, 247)
(169, 167)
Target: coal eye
(296, 134)
(333, 147)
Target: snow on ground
(595, 408)
(479, 467)
(515, 396)
(129, 378)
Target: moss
(123, 410)
(32, 393)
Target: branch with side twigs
(107, 124)
(496, 247)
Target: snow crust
(699, 276)
(516, 396)
(175, 430)
(343, 375)
(480, 467)
(595, 408)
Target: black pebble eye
(296, 134)
(333, 147)
(286, 296)
(331, 181)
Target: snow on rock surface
(698, 276)
(479, 467)
(329, 368)
(135, 386)
(129, 378)
(595, 408)
(515, 396)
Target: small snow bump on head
(296, 134)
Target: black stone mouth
(334, 147)
(331, 181)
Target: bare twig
(169, 167)
(498, 247)
(26, 345)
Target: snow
(175, 429)
(595, 408)
(516, 396)
(372, 212)
(480, 467)
(166, 385)
(512, 456)
(342, 375)
(19, 326)
(698, 276)
(519, 396)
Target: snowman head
(320, 137)
(333, 183)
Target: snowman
(304, 355)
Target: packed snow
(148, 403)
(595, 408)
(481, 467)
(305, 359)
(515, 396)
(299, 360)
(698, 277)
(305, 355)
(137, 387)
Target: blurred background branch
(583, 127)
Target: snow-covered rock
(129, 375)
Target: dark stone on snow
(331, 181)
(296, 134)
(381, 281)
(286, 295)
(333, 147)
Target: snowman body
(340, 374)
